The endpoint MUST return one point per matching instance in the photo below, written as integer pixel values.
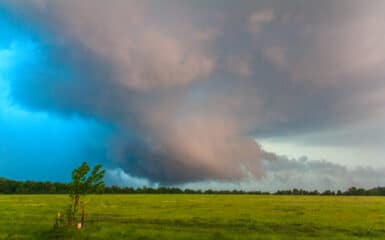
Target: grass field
(200, 217)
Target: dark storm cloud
(186, 84)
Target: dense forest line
(35, 187)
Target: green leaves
(83, 182)
(95, 181)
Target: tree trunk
(82, 220)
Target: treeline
(34, 187)
(173, 190)
(353, 191)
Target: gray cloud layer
(281, 174)
(188, 84)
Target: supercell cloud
(187, 86)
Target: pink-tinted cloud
(187, 85)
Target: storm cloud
(187, 86)
(281, 174)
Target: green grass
(199, 217)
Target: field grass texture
(183, 216)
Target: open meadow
(183, 216)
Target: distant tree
(83, 182)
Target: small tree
(83, 182)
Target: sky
(256, 95)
